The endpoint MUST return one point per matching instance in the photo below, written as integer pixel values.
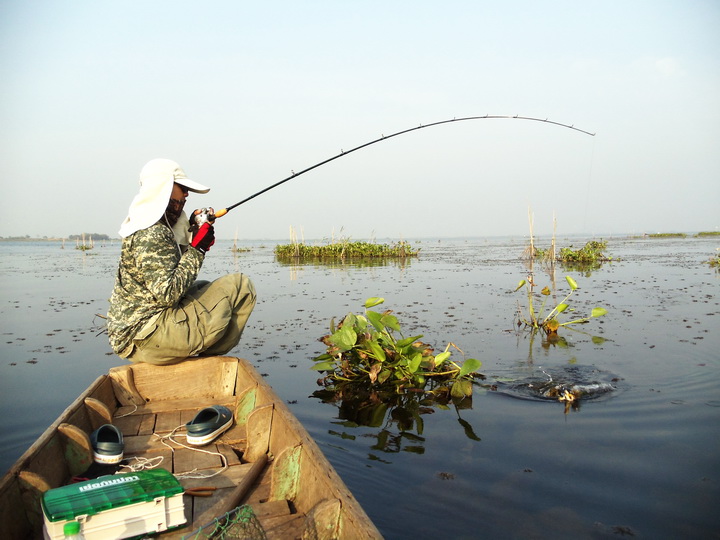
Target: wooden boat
(271, 462)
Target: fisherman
(159, 313)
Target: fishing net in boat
(239, 523)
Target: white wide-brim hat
(156, 182)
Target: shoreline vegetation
(90, 237)
(96, 237)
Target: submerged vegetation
(549, 323)
(363, 351)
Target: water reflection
(397, 417)
(584, 268)
(364, 262)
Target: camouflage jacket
(152, 276)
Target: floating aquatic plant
(370, 349)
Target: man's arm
(167, 274)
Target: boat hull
(267, 460)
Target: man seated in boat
(159, 313)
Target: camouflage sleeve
(166, 274)
(152, 276)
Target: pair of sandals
(108, 444)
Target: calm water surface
(644, 460)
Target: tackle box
(116, 506)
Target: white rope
(142, 464)
(193, 473)
(128, 413)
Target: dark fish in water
(564, 392)
(568, 385)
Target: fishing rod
(204, 216)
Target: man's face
(177, 202)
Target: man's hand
(198, 217)
(203, 238)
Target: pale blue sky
(242, 93)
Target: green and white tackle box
(116, 506)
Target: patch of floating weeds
(591, 253)
(344, 250)
(707, 233)
(667, 235)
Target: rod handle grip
(221, 213)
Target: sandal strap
(220, 418)
(110, 447)
(194, 428)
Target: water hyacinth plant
(364, 350)
(549, 323)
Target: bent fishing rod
(204, 216)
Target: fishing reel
(203, 215)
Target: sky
(241, 94)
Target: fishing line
(343, 153)
(589, 185)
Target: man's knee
(239, 287)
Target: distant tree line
(27, 238)
(89, 236)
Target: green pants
(208, 321)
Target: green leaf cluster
(370, 349)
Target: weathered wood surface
(266, 460)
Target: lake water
(643, 460)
